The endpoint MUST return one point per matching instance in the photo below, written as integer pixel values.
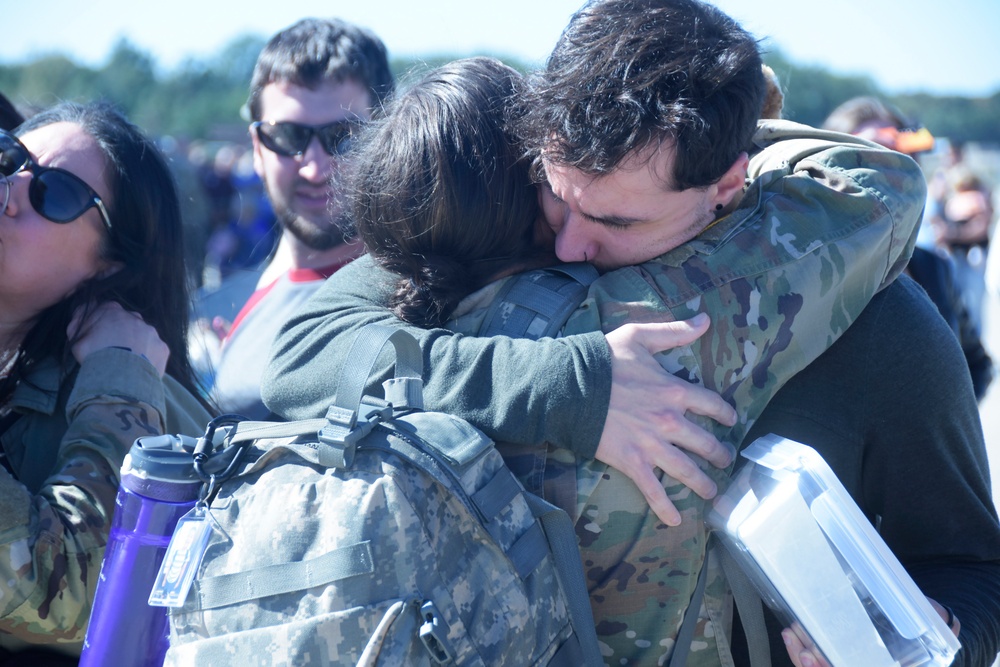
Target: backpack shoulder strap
(561, 537)
(747, 601)
(536, 304)
(352, 415)
(751, 608)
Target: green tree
(811, 92)
(128, 78)
(50, 79)
(201, 98)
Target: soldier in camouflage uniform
(74, 398)
(805, 227)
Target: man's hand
(797, 651)
(955, 625)
(646, 427)
(110, 325)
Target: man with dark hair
(644, 124)
(314, 84)
(628, 88)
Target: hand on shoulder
(110, 325)
(647, 428)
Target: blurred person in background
(962, 217)
(932, 268)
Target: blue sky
(905, 45)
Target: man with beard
(313, 85)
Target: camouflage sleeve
(825, 188)
(514, 390)
(52, 542)
(825, 224)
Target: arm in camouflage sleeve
(827, 222)
(52, 543)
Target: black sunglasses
(55, 194)
(292, 139)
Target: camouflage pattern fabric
(825, 222)
(66, 449)
(404, 533)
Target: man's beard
(333, 232)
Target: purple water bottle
(159, 485)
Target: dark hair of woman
(443, 158)
(144, 240)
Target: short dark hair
(313, 51)
(145, 239)
(630, 74)
(440, 188)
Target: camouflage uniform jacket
(774, 311)
(826, 221)
(75, 426)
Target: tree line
(201, 98)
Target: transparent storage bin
(819, 564)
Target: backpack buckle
(343, 431)
(434, 634)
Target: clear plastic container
(819, 564)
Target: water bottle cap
(158, 461)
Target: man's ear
(732, 181)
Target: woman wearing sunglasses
(93, 318)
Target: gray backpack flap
(381, 535)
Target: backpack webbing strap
(227, 589)
(528, 550)
(682, 645)
(536, 304)
(751, 610)
(747, 601)
(497, 494)
(566, 557)
(363, 355)
(570, 654)
(252, 430)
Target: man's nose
(575, 241)
(315, 165)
